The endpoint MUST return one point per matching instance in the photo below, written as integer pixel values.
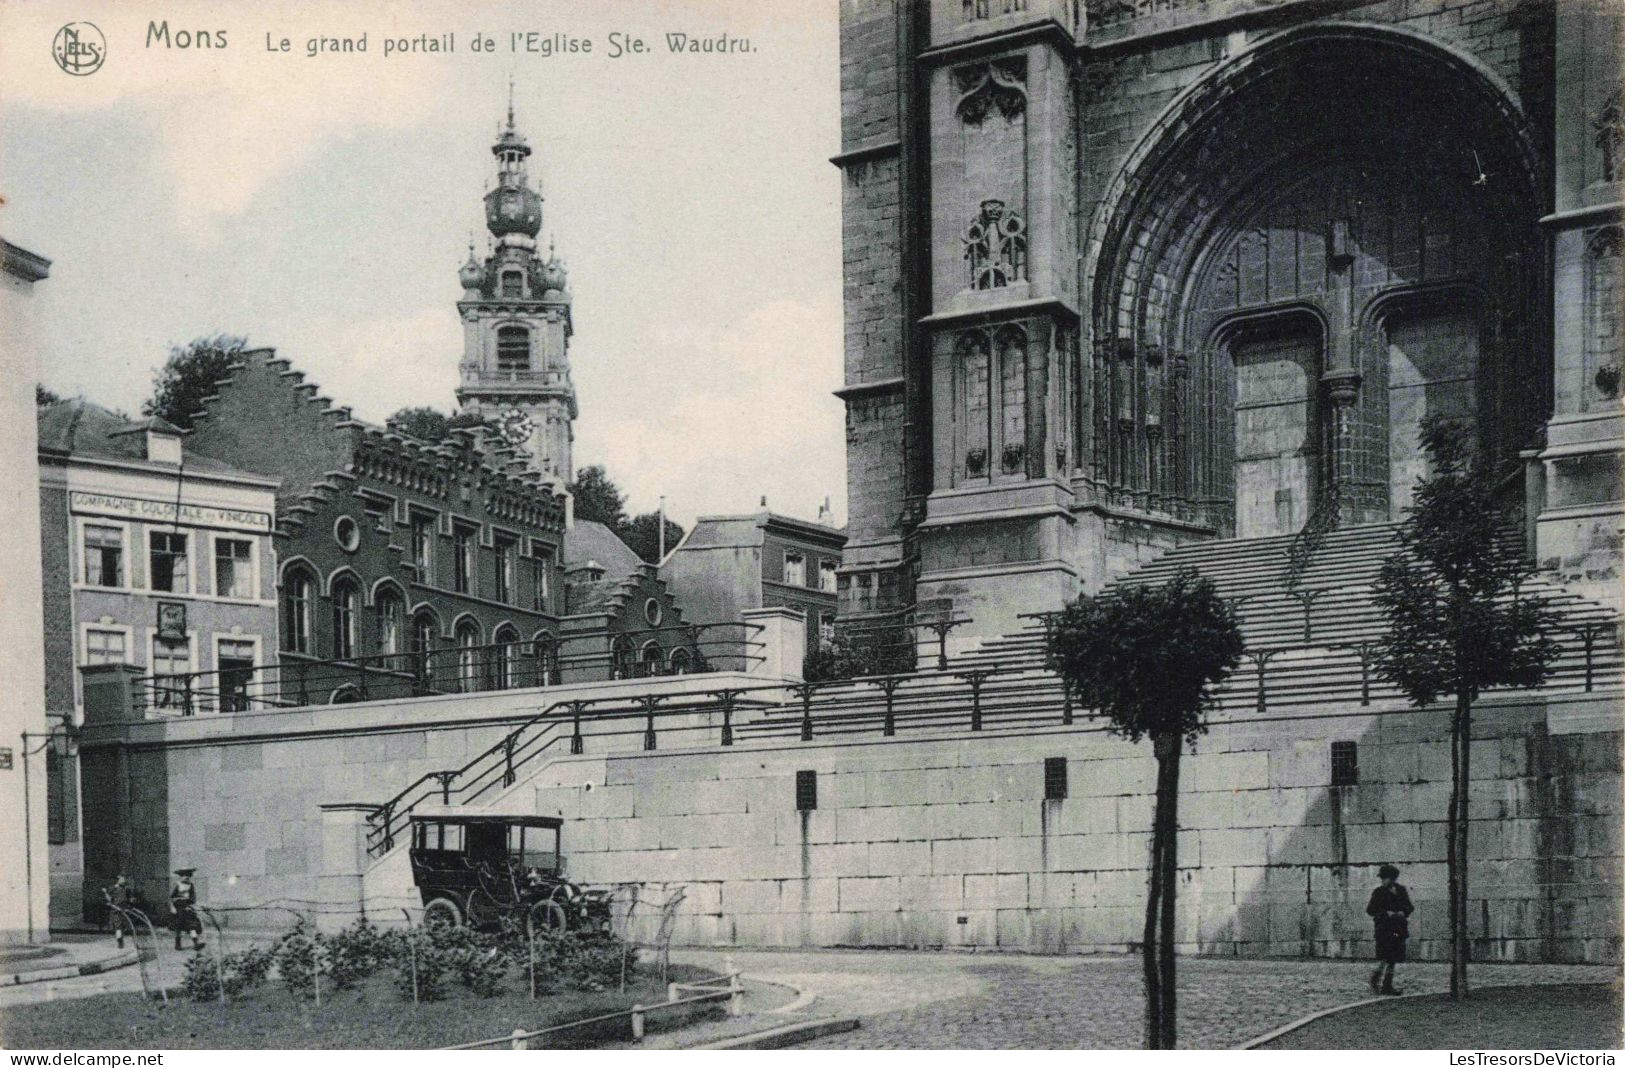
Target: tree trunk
(1460, 944)
(1148, 948)
(1168, 813)
(1452, 843)
(1158, 950)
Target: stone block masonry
(944, 838)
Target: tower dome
(513, 207)
(513, 210)
(554, 275)
(470, 274)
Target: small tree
(44, 397)
(642, 536)
(598, 499)
(189, 375)
(430, 424)
(1144, 657)
(1457, 624)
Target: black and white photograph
(812, 525)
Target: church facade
(1127, 275)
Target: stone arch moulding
(389, 583)
(339, 574)
(1145, 169)
(297, 563)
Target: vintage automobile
(480, 869)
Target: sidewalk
(65, 957)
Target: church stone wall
(946, 840)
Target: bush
(245, 971)
(357, 952)
(420, 964)
(593, 962)
(202, 979)
(297, 956)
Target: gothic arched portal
(1284, 289)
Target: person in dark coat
(120, 900)
(1389, 908)
(183, 900)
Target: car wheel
(442, 912)
(547, 916)
(483, 910)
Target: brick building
(727, 564)
(1122, 276)
(153, 555)
(397, 555)
(624, 620)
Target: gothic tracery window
(995, 247)
(1013, 400)
(973, 370)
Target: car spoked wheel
(483, 910)
(546, 916)
(442, 912)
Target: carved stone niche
(995, 246)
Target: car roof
(511, 821)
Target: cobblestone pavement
(910, 1000)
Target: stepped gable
(265, 417)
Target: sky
(321, 205)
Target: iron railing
(298, 680)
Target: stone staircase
(1309, 649)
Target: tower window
(513, 349)
(1345, 763)
(513, 284)
(1055, 779)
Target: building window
(105, 647)
(463, 561)
(507, 562)
(652, 611)
(622, 659)
(171, 659)
(1345, 763)
(347, 532)
(423, 631)
(507, 643)
(390, 613)
(654, 659)
(167, 558)
(826, 627)
(543, 573)
(345, 598)
(234, 568)
(468, 657)
(297, 610)
(1055, 781)
(104, 556)
(513, 349)
(234, 658)
(513, 284)
(826, 576)
(681, 664)
(806, 791)
(795, 569)
(423, 547)
(378, 514)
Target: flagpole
(662, 555)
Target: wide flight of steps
(1314, 640)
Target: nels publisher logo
(79, 48)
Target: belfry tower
(516, 321)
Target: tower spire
(510, 101)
